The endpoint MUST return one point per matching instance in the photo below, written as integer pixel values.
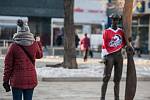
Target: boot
(102, 98)
(116, 98)
(116, 91)
(103, 90)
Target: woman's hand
(37, 38)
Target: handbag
(27, 53)
(91, 53)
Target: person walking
(77, 39)
(85, 45)
(137, 46)
(19, 69)
(113, 41)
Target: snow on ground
(61, 72)
(91, 68)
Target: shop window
(6, 32)
(96, 29)
(144, 39)
(78, 29)
(144, 20)
(58, 38)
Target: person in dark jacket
(77, 39)
(19, 70)
(85, 45)
(59, 40)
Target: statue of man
(113, 42)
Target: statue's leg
(117, 74)
(107, 75)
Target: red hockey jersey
(113, 41)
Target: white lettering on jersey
(115, 41)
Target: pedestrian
(84, 46)
(113, 41)
(137, 46)
(77, 39)
(19, 70)
(59, 40)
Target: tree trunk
(131, 80)
(69, 36)
(127, 18)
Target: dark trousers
(85, 54)
(17, 94)
(116, 60)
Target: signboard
(90, 11)
(141, 7)
(115, 7)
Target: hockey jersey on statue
(113, 41)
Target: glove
(6, 86)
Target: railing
(5, 43)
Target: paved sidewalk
(79, 91)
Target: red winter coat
(18, 68)
(85, 43)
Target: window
(6, 32)
(78, 29)
(96, 29)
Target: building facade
(38, 12)
(141, 23)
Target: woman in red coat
(19, 71)
(85, 45)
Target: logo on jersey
(115, 41)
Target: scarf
(24, 38)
